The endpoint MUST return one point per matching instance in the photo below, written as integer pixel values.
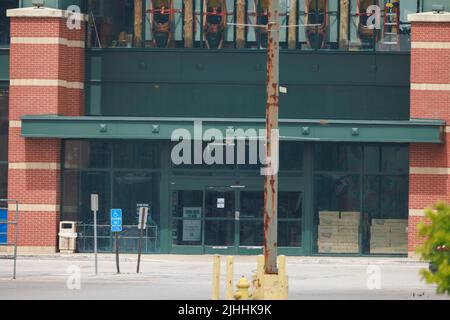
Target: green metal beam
(231, 83)
(412, 131)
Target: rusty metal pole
(271, 177)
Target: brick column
(430, 98)
(46, 77)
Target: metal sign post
(271, 177)
(143, 214)
(94, 208)
(16, 237)
(117, 252)
(116, 227)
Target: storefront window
(372, 159)
(133, 190)
(251, 225)
(359, 199)
(386, 214)
(95, 182)
(219, 233)
(394, 159)
(139, 155)
(252, 233)
(366, 210)
(87, 154)
(187, 207)
(91, 182)
(337, 192)
(290, 204)
(291, 156)
(337, 200)
(290, 214)
(289, 234)
(337, 157)
(88, 170)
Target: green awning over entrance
(91, 127)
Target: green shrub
(436, 248)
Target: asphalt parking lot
(178, 277)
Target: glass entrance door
(221, 216)
(251, 223)
(229, 220)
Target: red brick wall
(430, 32)
(428, 66)
(431, 155)
(413, 235)
(38, 189)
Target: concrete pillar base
(271, 287)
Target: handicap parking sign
(116, 220)
(116, 228)
(116, 214)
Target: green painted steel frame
(413, 131)
(230, 83)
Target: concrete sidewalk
(189, 277)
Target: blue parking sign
(116, 228)
(116, 220)
(116, 214)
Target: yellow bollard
(229, 284)
(258, 279)
(216, 278)
(282, 266)
(282, 275)
(242, 292)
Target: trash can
(67, 236)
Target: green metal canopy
(92, 127)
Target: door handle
(237, 215)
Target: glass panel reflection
(252, 204)
(133, 190)
(289, 234)
(219, 232)
(337, 157)
(220, 204)
(386, 214)
(251, 233)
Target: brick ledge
(429, 17)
